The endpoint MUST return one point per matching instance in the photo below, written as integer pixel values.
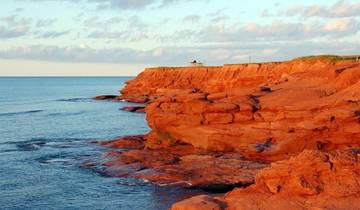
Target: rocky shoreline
(181, 164)
(280, 135)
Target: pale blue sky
(121, 37)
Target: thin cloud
(275, 31)
(192, 19)
(14, 26)
(45, 22)
(125, 4)
(122, 4)
(342, 8)
(53, 34)
(6, 33)
(170, 55)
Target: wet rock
(183, 165)
(139, 109)
(126, 142)
(105, 97)
(114, 169)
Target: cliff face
(286, 134)
(265, 111)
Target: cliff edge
(268, 111)
(285, 134)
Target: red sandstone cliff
(215, 127)
(269, 110)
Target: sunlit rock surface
(267, 111)
(219, 128)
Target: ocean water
(46, 129)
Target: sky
(122, 37)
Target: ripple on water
(21, 112)
(75, 100)
(30, 146)
(61, 158)
(35, 144)
(64, 114)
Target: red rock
(216, 96)
(140, 109)
(182, 165)
(309, 106)
(126, 142)
(217, 127)
(218, 118)
(201, 202)
(105, 97)
(138, 98)
(311, 180)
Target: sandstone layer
(287, 134)
(267, 111)
(181, 164)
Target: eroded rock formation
(267, 111)
(218, 128)
(181, 164)
(311, 180)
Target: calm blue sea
(46, 126)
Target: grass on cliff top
(333, 58)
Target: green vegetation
(333, 58)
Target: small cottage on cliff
(196, 63)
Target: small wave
(50, 140)
(35, 144)
(22, 112)
(131, 182)
(65, 114)
(56, 158)
(75, 100)
(30, 146)
(179, 183)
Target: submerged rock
(105, 97)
